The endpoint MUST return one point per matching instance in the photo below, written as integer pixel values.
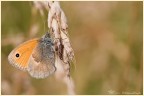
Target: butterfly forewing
(20, 55)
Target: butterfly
(37, 56)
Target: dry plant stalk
(57, 23)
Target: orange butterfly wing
(20, 55)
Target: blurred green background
(107, 38)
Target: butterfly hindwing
(41, 62)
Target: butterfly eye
(17, 55)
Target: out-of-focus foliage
(107, 38)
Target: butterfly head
(47, 39)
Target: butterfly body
(36, 56)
